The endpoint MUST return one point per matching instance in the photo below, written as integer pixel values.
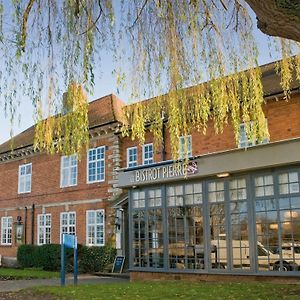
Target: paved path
(16, 285)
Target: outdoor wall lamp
(222, 175)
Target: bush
(26, 256)
(94, 259)
(47, 257)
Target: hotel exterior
(233, 210)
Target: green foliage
(47, 47)
(27, 255)
(47, 257)
(94, 259)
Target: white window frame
(6, 231)
(148, 161)
(43, 228)
(95, 161)
(135, 162)
(249, 143)
(95, 227)
(68, 213)
(24, 178)
(182, 141)
(69, 167)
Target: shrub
(94, 259)
(26, 256)
(47, 257)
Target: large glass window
(68, 175)
(95, 226)
(185, 226)
(44, 229)
(252, 224)
(140, 258)
(96, 164)
(216, 199)
(239, 224)
(155, 238)
(278, 223)
(6, 230)
(25, 173)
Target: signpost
(68, 241)
(118, 264)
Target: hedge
(47, 257)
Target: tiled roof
(108, 108)
(271, 81)
(101, 111)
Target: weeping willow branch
(25, 24)
(169, 45)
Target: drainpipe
(25, 226)
(32, 224)
(163, 148)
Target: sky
(105, 83)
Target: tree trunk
(278, 17)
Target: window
(244, 141)
(138, 199)
(288, 183)
(68, 170)
(148, 154)
(131, 157)
(185, 146)
(68, 223)
(6, 230)
(264, 186)
(44, 229)
(25, 172)
(96, 164)
(95, 227)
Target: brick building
(42, 196)
(235, 212)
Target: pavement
(16, 285)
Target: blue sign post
(68, 241)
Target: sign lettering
(165, 172)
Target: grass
(14, 274)
(166, 290)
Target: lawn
(165, 290)
(13, 274)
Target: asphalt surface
(16, 285)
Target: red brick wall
(283, 121)
(45, 190)
(194, 277)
